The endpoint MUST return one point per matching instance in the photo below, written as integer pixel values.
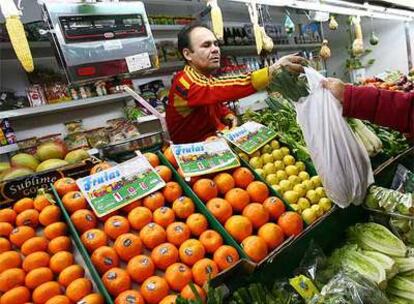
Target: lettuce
(405, 264)
(390, 266)
(401, 287)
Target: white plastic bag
(340, 160)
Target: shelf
(166, 27)
(148, 118)
(251, 49)
(39, 49)
(9, 148)
(63, 106)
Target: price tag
(111, 45)
(138, 62)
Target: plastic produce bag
(340, 160)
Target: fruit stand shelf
(9, 148)
(251, 49)
(63, 106)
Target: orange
(197, 223)
(105, 217)
(28, 217)
(131, 206)
(10, 259)
(70, 274)
(104, 258)
(36, 260)
(5, 229)
(240, 227)
(127, 246)
(238, 199)
(220, 208)
(8, 215)
(243, 177)
(54, 230)
(291, 223)
(206, 189)
(272, 234)
(191, 251)
(257, 214)
(164, 216)
(21, 234)
(183, 207)
(275, 207)
(172, 191)
(83, 219)
(170, 299)
(60, 299)
(128, 297)
(187, 293)
(4, 245)
(42, 200)
(23, 204)
(139, 217)
(154, 289)
(74, 200)
(100, 167)
(225, 256)
(203, 270)
(65, 185)
(140, 268)
(116, 280)
(11, 278)
(170, 157)
(258, 191)
(178, 275)
(78, 289)
(255, 247)
(115, 226)
(17, 295)
(46, 291)
(38, 276)
(211, 240)
(152, 235)
(154, 201)
(94, 238)
(177, 233)
(164, 255)
(61, 243)
(60, 261)
(164, 172)
(225, 182)
(93, 298)
(152, 159)
(37, 243)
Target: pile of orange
(36, 260)
(159, 243)
(245, 208)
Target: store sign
(250, 136)
(118, 186)
(204, 157)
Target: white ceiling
(407, 3)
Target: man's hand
(336, 86)
(292, 63)
(231, 120)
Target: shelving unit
(9, 148)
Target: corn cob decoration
(17, 34)
(216, 19)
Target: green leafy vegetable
(290, 86)
(405, 264)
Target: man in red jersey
(195, 108)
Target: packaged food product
(36, 95)
(73, 126)
(28, 145)
(97, 138)
(56, 92)
(51, 137)
(76, 140)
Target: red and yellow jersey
(195, 105)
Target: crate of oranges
(38, 261)
(150, 250)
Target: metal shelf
(250, 49)
(166, 27)
(39, 49)
(9, 148)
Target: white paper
(138, 62)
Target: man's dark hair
(184, 36)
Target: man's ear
(187, 54)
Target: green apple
(255, 154)
(277, 154)
(294, 179)
(308, 184)
(312, 196)
(303, 203)
(285, 185)
(272, 179)
(266, 149)
(269, 168)
(260, 172)
(309, 216)
(274, 144)
(318, 210)
(277, 188)
(267, 158)
(316, 180)
(325, 203)
(256, 162)
(288, 160)
(281, 175)
(291, 196)
(285, 150)
(295, 208)
(291, 170)
(300, 189)
(279, 165)
(321, 191)
(303, 175)
(300, 165)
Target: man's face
(204, 53)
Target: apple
(288, 160)
(312, 196)
(303, 175)
(309, 216)
(279, 165)
(281, 175)
(300, 189)
(269, 168)
(325, 203)
(277, 154)
(267, 158)
(308, 184)
(316, 180)
(291, 196)
(291, 170)
(285, 185)
(285, 150)
(318, 210)
(272, 179)
(320, 191)
(303, 203)
(300, 165)
(256, 162)
(294, 179)
(274, 144)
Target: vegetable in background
(371, 142)
(389, 264)
(401, 287)
(290, 86)
(390, 201)
(405, 264)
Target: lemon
(272, 179)
(321, 191)
(285, 150)
(316, 180)
(266, 149)
(294, 180)
(281, 175)
(300, 165)
(285, 185)
(325, 203)
(291, 170)
(295, 207)
(256, 162)
(312, 196)
(279, 165)
(277, 189)
(269, 168)
(309, 216)
(255, 154)
(291, 196)
(303, 175)
(318, 210)
(277, 154)
(289, 160)
(300, 189)
(308, 184)
(267, 158)
(303, 203)
(244, 156)
(274, 144)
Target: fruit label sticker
(204, 157)
(118, 186)
(250, 136)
